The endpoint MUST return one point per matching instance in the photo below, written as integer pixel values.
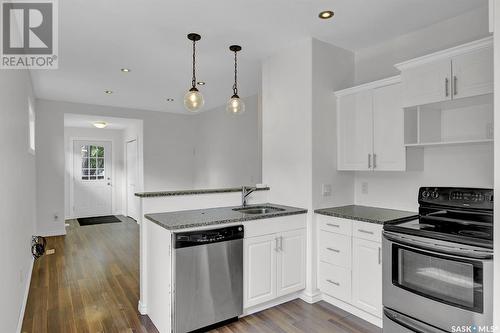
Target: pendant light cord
(235, 86)
(193, 83)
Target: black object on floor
(98, 220)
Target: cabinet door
(389, 153)
(260, 269)
(355, 131)
(367, 276)
(473, 73)
(291, 271)
(427, 83)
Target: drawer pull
(333, 282)
(333, 225)
(333, 250)
(366, 231)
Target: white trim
(448, 53)
(51, 233)
(143, 309)
(311, 298)
(270, 304)
(370, 85)
(25, 299)
(353, 310)
(491, 16)
(125, 161)
(72, 170)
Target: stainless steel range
(438, 269)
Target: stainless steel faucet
(245, 192)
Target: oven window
(449, 281)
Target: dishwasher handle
(205, 237)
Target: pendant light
(235, 105)
(193, 100)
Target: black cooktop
(457, 215)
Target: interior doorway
(92, 178)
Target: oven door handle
(438, 248)
(410, 323)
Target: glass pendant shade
(235, 105)
(193, 100)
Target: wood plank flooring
(91, 284)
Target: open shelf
(455, 122)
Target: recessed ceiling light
(109, 92)
(126, 70)
(100, 124)
(200, 83)
(170, 99)
(326, 14)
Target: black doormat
(98, 220)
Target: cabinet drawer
(335, 281)
(334, 224)
(368, 231)
(335, 249)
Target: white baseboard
(143, 309)
(25, 299)
(51, 233)
(353, 310)
(270, 304)
(311, 298)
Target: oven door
(440, 283)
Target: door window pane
(93, 165)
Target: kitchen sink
(255, 210)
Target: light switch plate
(364, 187)
(326, 190)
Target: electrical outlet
(364, 187)
(326, 189)
(56, 216)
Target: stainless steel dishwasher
(208, 278)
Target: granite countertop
(191, 192)
(368, 214)
(213, 216)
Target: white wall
(17, 196)
(227, 147)
(443, 166)
(118, 173)
(377, 62)
(496, 229)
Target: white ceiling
(87, 121)
(97, 38)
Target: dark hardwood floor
(91, 284)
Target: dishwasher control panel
(196, 238)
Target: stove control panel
(459, 197)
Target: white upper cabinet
(355, 128)
(427, 84)
(459, 72)
(473, 73)
(389, 153)
(370, 122)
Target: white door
(427, 83)
(473, 73)
(355, 128)
(367, 276)
(389, 153)
(260, 269)
(291, 274)
(132, 176)
(92, 176)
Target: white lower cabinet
(367, 276)
(274, 266)
(350, 267)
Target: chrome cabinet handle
(374, 161)
(333, 282)
(379, 255)
(446, 87)
(455, 89)
(333, 250)
(366, 231)
(333, 225)
(281, 243)
(276, 248)
(369, 161)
